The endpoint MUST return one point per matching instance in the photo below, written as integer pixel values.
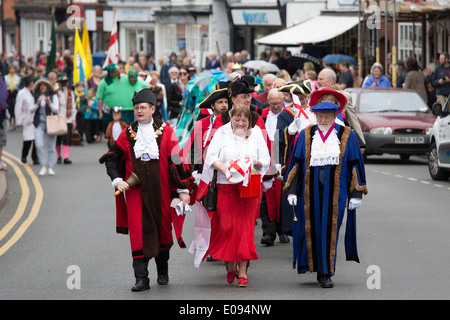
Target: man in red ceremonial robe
(149, 149)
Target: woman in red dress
(233, 223)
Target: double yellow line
(14, 162)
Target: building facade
(160, 27)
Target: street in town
(59, 241)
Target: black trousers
(140, 265)
(269, 227)
(26, 148)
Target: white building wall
(34, 33)
(219, 28)
(297, 12)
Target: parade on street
(225, 168)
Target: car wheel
(436, 173)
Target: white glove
(197, 177)
(267, 184)
(354, 203)
(295, 126)
(278, 167)
(292, 199)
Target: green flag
(51, 58)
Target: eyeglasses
(183, 73)
(276, 103)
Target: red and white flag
(113, 50)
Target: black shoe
(67, 161)
(59, 161)
(24, 160)
(209, 258)
(141, 285)
(163, 279)
(267, 240)
(325, 281)
(284, 238)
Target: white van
(439, 156)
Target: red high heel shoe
(242, 282)
(231, 275)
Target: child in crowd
(115, 127)
(81, 101)
(91, 118)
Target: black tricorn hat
(297, 87)
(249, 79)
(145, 95)
(238, 86)
(215, 95)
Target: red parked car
(393, 121)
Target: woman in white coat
(24, 118)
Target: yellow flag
(87, 51)
(79, 60)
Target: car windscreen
(392, 101)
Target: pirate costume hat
(215, 95)
(297, 87)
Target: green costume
(115, 90)
(134, 84)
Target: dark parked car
(393, 121)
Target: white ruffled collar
(327, 153)
(146, 146)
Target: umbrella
(197, 89)
(337, 58)
(259, 64)
(297, 60)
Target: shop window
(140, 40)
(410, 41)
(41, 36)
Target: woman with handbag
(233, 222)
(46, 102)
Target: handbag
(209, 200)
(56, 124)
(75, 139)
(253, 189)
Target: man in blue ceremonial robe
(326, 172)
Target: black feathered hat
(238, 86)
